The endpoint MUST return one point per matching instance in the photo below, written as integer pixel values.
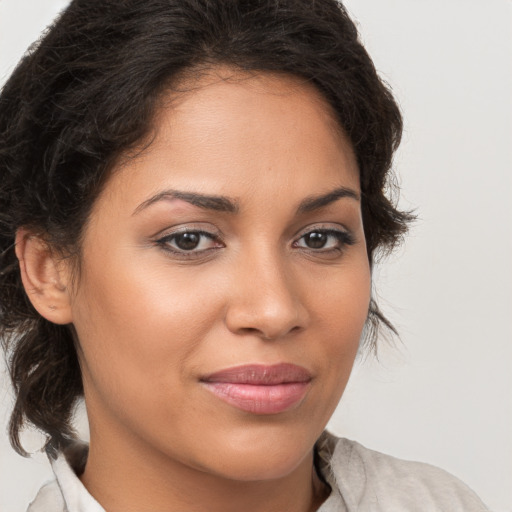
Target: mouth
(260, 389)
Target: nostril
(251, 330)
(266, 335)
(255, 332)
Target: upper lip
(260, 374)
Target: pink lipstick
(260, 389)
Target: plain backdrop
(444, 394)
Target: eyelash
(344, 239)
(166, 240)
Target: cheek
(341, 313)
(343, 299)
(148, 327)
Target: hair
(87, 92)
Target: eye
(325, 240)
(191, 242)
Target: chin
(262, 457)
(260, 467)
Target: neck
(141, 479)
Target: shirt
(361, 480)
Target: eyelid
(195, 227)
(324, 227)
(345, 237)
(163, 239)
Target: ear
(44, 277)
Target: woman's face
(225, 282)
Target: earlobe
(43, 277)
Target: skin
(152, 322)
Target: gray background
(444, 395)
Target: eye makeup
(190, 242)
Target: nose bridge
(265, 301)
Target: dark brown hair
(87, 92)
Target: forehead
(233, 131)
(245, 99)
(198, 88)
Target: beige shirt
(361, 480)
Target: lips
(260, 389)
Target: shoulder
(48, 498)
(369, 480)
(66, 493)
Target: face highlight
(234, 240)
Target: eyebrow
(216, 203)
(316, 202)
(228, 205)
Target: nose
(265, 300)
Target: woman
(193, 197)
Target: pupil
(316, 240)
(187, 241)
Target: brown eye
(316, 240)
(187, 241)
(325, 240)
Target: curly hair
(87, 92)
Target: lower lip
(259, 399)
